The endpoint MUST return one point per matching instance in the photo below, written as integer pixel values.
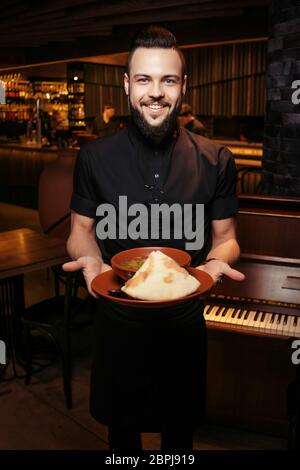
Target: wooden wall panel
(104, 84)
(227, 80)
(224, 80)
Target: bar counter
(245, 153)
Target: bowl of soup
(127, 262)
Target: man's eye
(143, 80)
(170, 81)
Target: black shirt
(184, 168)
(149, 365)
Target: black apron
(149, 366)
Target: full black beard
(155, 132)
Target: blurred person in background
(187, 120)
(105, 125)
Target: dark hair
(155, 37)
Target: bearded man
(149, 366)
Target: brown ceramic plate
(107, 281)
(118, 261)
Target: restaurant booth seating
(65, 312)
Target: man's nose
(156, 90)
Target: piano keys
(251, 326)
(253, 321)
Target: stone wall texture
(281, 161)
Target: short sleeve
(83, 200)
(225, 203)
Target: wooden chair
(57, 318)
(54, 196)
(249, 180)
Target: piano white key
(228, 318)
(293, 325)
(251, 318)
(212, 312)
(220, 313)
(272, 324)
(298, 328)
(255, 322)
(223, 315)
(246, 316)
(206, 309)
(217, 314)
(241, 313)
(267, 320)
(286, 327)
(263, 321)
(260, 321)
(232, 317)
(281, 318)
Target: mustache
(160, 101)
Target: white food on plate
(160, 278)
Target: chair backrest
(55, 191)
(249, 180)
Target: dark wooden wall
(104, 84)
(269, 225)
(223, 80)
(227, 80)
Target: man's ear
(126, 83)
(184, 82)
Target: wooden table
(25, 250)
(21, 251)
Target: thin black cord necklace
(154, 166)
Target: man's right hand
(90, 267)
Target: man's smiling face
(155, 87)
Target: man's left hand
(217, 269)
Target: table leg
(11, 309)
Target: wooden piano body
(251, 325)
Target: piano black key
(209, 309)
(244, 315)
(256, 316)
(247, 314)
(211, 313)
(240, 314)
(220, 311)
(252, 315)
(259, 319)
(233, 315)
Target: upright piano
(252, 324)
